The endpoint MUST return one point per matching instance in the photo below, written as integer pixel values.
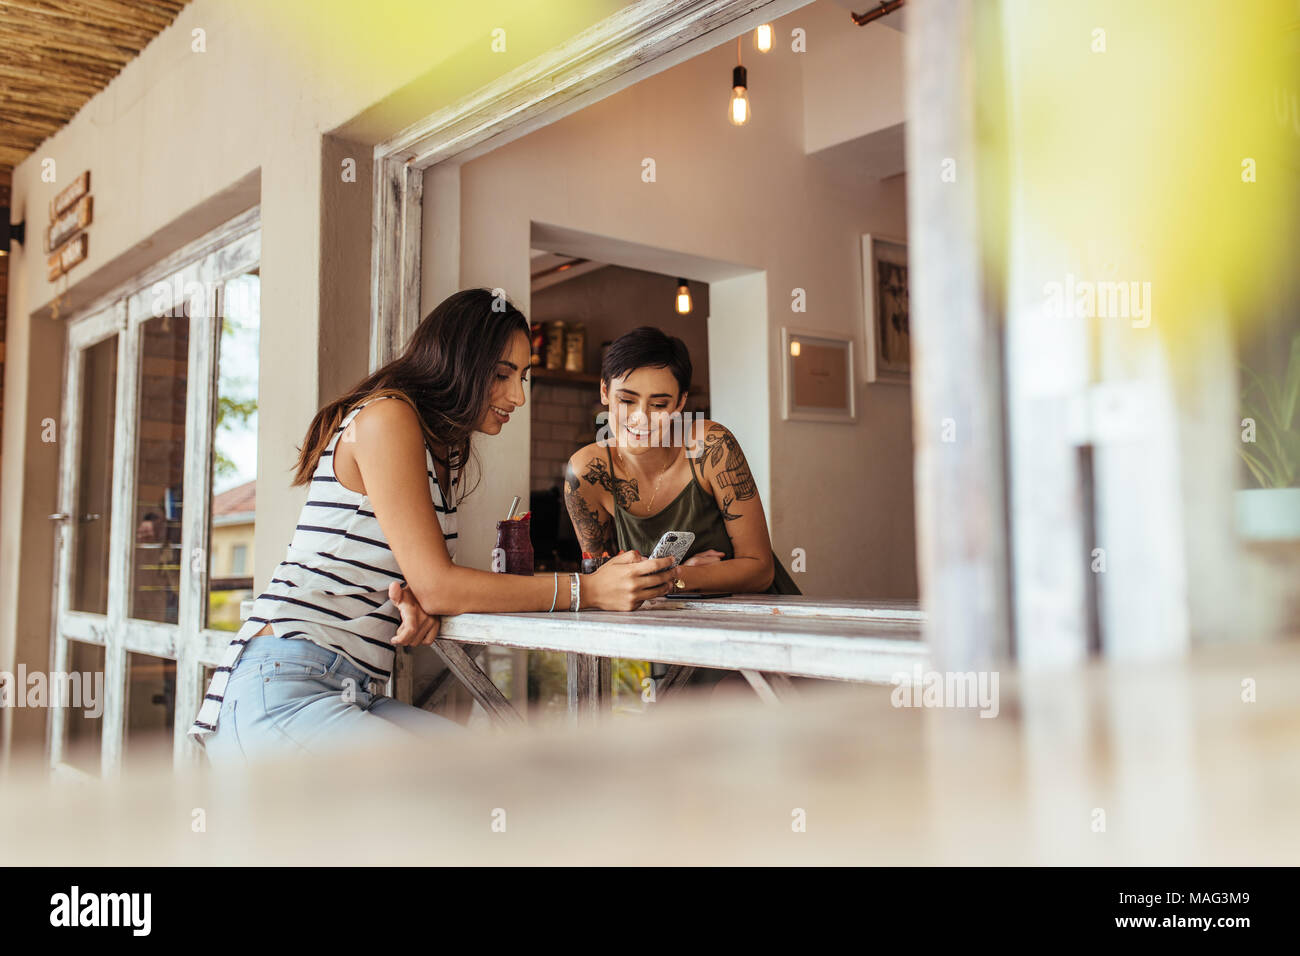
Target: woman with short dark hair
(655, 470)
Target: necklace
(658, 481)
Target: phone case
(674, 544)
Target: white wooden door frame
(636, 42)
(223, 254)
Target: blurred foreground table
(1171, 762)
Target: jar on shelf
(575, 344)
(539, 344)
(555, 344)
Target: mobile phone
(674, 544)
(695, 595)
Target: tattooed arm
(591, 522)
(723, 466)
(622, 490)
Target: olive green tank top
(693, 510)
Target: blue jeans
(288, 695)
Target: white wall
(753, 198)
(852, 81)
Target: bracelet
(575, 593)
(555, 592)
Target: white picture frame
(823, 387)
(882, 309)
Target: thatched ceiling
(56, 54)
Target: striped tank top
(332, 586)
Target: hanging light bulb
(763, 38)
(683, 297)
(739, 113)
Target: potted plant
(1271, 512)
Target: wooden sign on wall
(73, 251)
(69, 223)
(70, 194)
(65, 237)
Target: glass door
(85, 540)
(143, 409)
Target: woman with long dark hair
(370, 564)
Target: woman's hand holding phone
(623, 582)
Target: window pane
(83, 728)
(160, 468)
(234, 460)
(94, 479)
(150, 708)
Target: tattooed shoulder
(578, 463)
(570, 477)
(724, 458)
(623, 490)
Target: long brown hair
(445, 374)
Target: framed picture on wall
(817, 376)
(885, 301)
